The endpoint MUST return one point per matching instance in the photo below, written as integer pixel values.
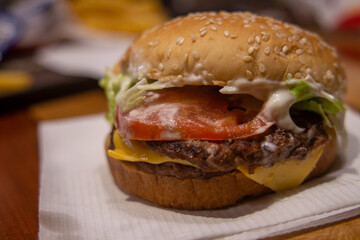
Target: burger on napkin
(213, 107)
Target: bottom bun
(198, 194)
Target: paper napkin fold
(79, 200)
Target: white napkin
(79, 200)
(86, 57)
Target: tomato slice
(191, 112)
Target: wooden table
(19, 163)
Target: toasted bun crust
(215, 48)
(198, 194)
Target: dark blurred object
(322, 15)
(272, 8)
(330, 15)
(10, 32)
(45, 85)
(25, 24)
(118, 15)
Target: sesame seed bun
(215, 48)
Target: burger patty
(275, 145)
(215, 158)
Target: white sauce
(259, 87)
(276, 96)
(277, 107)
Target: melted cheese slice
(280, 177)
(284, 175)
(136, 151)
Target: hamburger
(210, 108)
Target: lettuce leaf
(310, 97)
(123, 91)
(112, 84)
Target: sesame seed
(207, 23)
(203, 18)
(193, 38)
(250, 50)
(247, 25)
(247, 58)
(282, 54)
(277, 50)
(297, 75)
(267, 50)
(195, 55)
(161, 66)
(276, 27)
(210, 76)
(256, 46)
(261, 67)
(251, 39)
(202, 29)
(285, 49)
(168, 53)
(180, 40)
(262, 27)
(334, 53)
(219, 23)
(258, 39)
(226, 33)
(203, 33)
(309, 51)
(290, 39)
(213, 28)
(212, 21)
(198, 66)
(308, 70)
(175, 67)
(233, 36)
(301, 60)
(329, 75)
(249, 74)
(296, 37)
(246, 21)
(179, 77)
(303, 41)
(299, 51)
(185, 57)
(280, 35)
(289, 75)
(266, 37)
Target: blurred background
(53, 49)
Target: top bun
(215, 48)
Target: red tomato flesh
(191, 112)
